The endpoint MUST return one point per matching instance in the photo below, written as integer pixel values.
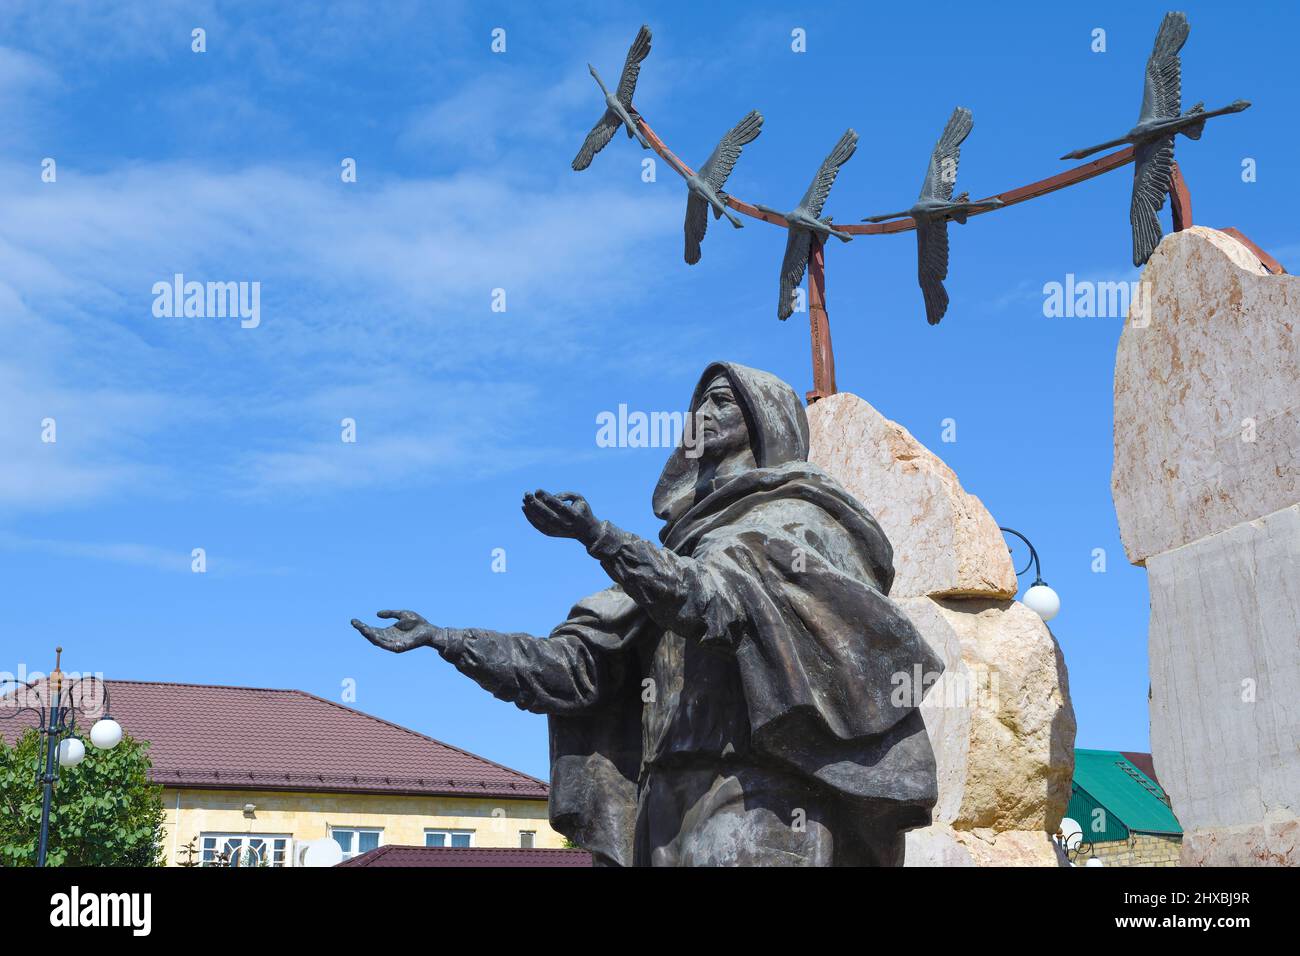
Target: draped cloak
(796, 575)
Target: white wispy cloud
(172, 560)
(375, 305)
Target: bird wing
(820, 188)
(723, 161)
(1162, 95)
(932, 266)
(793, 266)
(637, 52)
(697, 221)
(600, 135)
(1153, 164)
(942, 174)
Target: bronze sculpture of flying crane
(1160, 118)
(804, 222)
(618, 105)
(705, 187)
(934, 208)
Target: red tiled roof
(213, 737)
(469, 857)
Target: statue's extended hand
(566, 515)
(410, 631)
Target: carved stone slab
(1207, 395)
(1225, 679)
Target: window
(448, 837)
(245, 849)
(527, 838)
(355, 841)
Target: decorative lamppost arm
(1039, 598)
(1033, 556)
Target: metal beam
(1011, 197)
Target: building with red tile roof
(254, 773)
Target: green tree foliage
(105, 811)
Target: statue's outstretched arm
(680, 594)
(547, 676)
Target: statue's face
(719, 422)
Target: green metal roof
(1099, 825)
(1128, 799)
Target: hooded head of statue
(740, 418)
(747, 423)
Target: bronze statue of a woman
(730, 700)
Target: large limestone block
(1207, 395)
(999, 719)
(945, 541)
(1224, 646)
(941, 845)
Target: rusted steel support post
(1180, 199)
(819, 326)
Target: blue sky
(176, 433)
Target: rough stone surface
(1225, 678)
(1000, 718)
(1274, 843)
(945, 541)
(948, 706)
(941, 845)
(1207, 490)
(1218, 362)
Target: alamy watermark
(85, 691)
(635, 429)
(208, 300)
(976, 688)
(133, 911)
(1086, 299)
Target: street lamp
(56, 707)
(1039, 598)
(1069, 837)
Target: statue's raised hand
(410, 631)
(566, 515)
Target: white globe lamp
(1071, 834)
(106, 734)
(71, 752)
(1043, 601)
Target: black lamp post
(1039, 598)
(55, 703)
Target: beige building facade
(231, 822)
